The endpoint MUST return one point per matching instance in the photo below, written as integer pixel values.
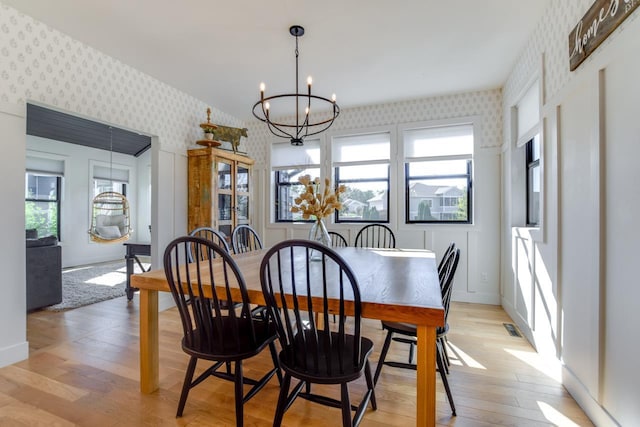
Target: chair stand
(238, 379)
(439, 361)
(285, 399)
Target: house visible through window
(288, 164)
(42, 203)
(533, 181)
(361, 163)
(438, 174)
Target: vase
(319, 233)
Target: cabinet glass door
(225, 205)
(242, 194)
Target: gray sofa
(44, 271)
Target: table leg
(426, 376)
(149, 342)
(129, 290)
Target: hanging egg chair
(110, 222)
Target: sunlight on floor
(405, 253)
(110, 279)
(531, 358)
(463, 359)
(71, 270)
(555, 416)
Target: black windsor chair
(211, 331)
(314, 354)
(375, 236)
(408, 330)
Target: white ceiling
(365, 51)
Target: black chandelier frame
(303, 127)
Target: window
(110, 179)
(103, 185)
(361, 163)
(288, 164)
(533, 181)
(42, 203)
(528, 138)
(438, 174)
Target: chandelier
(304, 124)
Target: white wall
(571, 284)
(13, 303)
(43, 65)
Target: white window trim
(537, 233)
(393, 164)
(474, 121)
(270, 185)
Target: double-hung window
(110, 179)
(42, 203)
(533, 181)
(43, 195)
(361, 163)
(527, 112)
(438, 174)
(288, 164)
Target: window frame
(531, 163)
(471, 121)
(275, 185)
(468, 176)
(389, 162)
(57, 200)
(338, 182)
(123, 183)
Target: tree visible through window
(288, 164)
(361, 164)
(438, 172)
(42, 204)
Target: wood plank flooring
(83, 370)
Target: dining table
(397, 285)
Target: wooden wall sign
(601, 19)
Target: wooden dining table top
(398, 285)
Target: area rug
(93, 283)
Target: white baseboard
(476, 297)
(519, 321)
(598, 415)
(13, 354)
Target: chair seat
(410, 329)
(231, 343)
(341, 366)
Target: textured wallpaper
(551, 38)
(38, 63)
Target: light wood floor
(83, 370)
